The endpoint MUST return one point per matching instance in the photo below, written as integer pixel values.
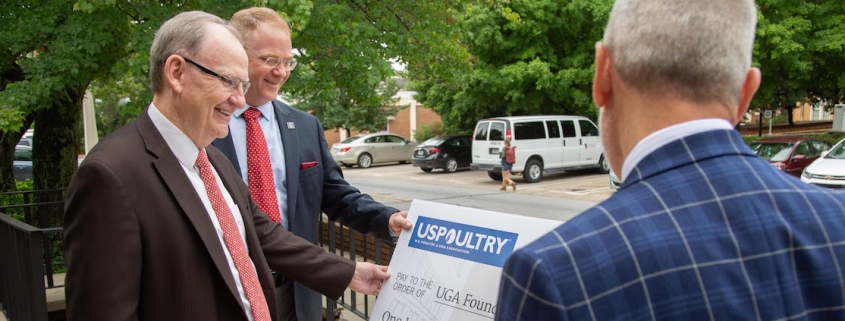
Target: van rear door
(488, 140)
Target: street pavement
(557, 197)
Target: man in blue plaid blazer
(701, 228)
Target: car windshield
(837, 152)
(436, 141)
(350, 139)
(772, 151)
(23, 154)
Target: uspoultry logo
(477, 244)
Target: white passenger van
(543, 143)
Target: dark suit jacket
(315, 190)
(140, 245)
(702, 229)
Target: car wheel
(426, 169)
(451, 165)
(604, 166)
(533, 171)
(365, 160)
(495, 176)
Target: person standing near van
(508, 158)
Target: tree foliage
(800, 49)
(52, 50)
(528, 57)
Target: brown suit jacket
(140, 245)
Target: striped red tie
(259, 172)
(234, 242)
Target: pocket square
(307, 165)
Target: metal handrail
(22, 295)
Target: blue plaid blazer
(702, 229)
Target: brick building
(412, 116)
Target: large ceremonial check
(449, 265)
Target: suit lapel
(183, 191)
(227, 146)
(290, 140)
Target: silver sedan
(365, 150)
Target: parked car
(365, 150)
(615, 183)
(446, 152)
(25, 142)
(829, 169)
(790, 154)
(543, 144)
(23, 162)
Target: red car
(790, 154)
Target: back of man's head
(181, 35)
(696, 50)
(247, 20)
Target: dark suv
(790, 154)
(446, 152)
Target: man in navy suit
(305, 179)
(701, 228)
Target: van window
(529, 130)
(554, 131)
(481, 130)
(497, 131)
(588, 129)
(568, 128)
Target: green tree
(51, 54)
(52, 50)
(800, 49)
(528, 57)
(337, 109)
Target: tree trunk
(8, 140)
(54, 156)
(790, 116)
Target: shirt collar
(665, 136)
(180, 144)
(266, 110)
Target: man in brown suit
(159, 226)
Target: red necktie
(259, 172)
(234, 242)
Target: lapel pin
(291, 125)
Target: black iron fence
(357, 247)
(27, 246)
(31, 250)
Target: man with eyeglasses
(283, 156)
(158, 225)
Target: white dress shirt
(187, 152)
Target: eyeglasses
(272, 62)
(228, 81)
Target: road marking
(390, 198)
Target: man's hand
(398, 222)
(368, 278)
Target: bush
(428, 131)
(16, 199)
(831, 138)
